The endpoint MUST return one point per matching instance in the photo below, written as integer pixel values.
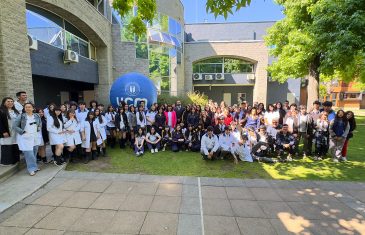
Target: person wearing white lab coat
(90, 135)
(27, 125)
(110, 126)
(73, 138)
(56, 135)
(141, 118)
(101, 122)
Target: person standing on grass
(139, 142)
(73, 138)
(305, 129)
(132, 122)
(315, 114)
(321, 136)
(338, 130)
(327, 107)
(101, 122)
(141, 118)
(151, 117)
(89, 136)
(27, 125)
(121, 123)
(9, 148)
(170, 115)
(56, 134)
(110, 126)
(153, 140)
(160, 120)
(351, 120)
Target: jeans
(31, 159)
(153, 146)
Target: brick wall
(15, 71)
(255, 51)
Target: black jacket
(118, 119)
(4, 125)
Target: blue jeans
(31, 159)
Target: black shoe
(87, 157)
(44, 160)
(57, 160)
(94, 156)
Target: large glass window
(51, 29)
(223, 65)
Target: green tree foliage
(223, 7)
(147, 10)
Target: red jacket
(173, 117)
(228, 120)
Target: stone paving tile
(60, 219)
(150, 178)
(233, 182)
(255, 226)
(190, 205)
(35, 231)
(300, 184)
(144, 189)
(242, 208)
(220, 225)
(265, 194)
(213, 192)
(119, 177)
(55, 182)
(73, 184)
(217, 207)
(332, 227)
(171, 180)
(109, 201)
(169, 190)
(357, 206)
(53, 198)
(359, 195)
(127, 222)
(320, 195)
(160, 223)
(137, 203)
(189, 225)
(256, 183)
(239, 193)
(207, 181)
(93, 221)
(308, 210)
(34, 196)
(12, 230)
(292, 195)
(291, 226)
(96, 186)
(275, 209)
(81, 233)
(120, 187)
(190, 191)
(29, 216)
(190, 180)
(81, 199)
(337, 210)
(282, 184)
(166, 204)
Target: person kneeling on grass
(153, 140)
(285, 142)
(209, 145)
(226, 143)
(177, 139)
(139, 142)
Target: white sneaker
(335, 160)
(152, 151)
(343, 159)
(32, 173)
(137, 154)
(156, 150)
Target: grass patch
(191, 164)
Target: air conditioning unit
(71, 57)
(197, 77)
(33, 42)
(208, 77)
(251, 77)
(219, 76)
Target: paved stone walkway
(101, 203)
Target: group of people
(241, 132)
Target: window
(141, 50)
(351, 95)
(223, 65)
(241, 97)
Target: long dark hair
(68, 114)
(88, 114)
(351, 121)
(5, 110)
(343, 118)
(56, 121)
(100, 118)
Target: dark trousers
(9, 154)
(153, 146)
(215, 155)
(177, 146)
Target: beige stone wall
(15, 71)
(173, 8)
(256, 51)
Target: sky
(259, 10)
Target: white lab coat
(86, 128)
(102, 127)
(53, 132)
(72, 138)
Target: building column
(15, 66)
(102, 90)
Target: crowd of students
(241, 132)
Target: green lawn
(191, 164)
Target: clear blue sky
(259, 10)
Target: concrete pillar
(15, 66)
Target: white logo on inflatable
(132, 89)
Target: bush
(190, 98)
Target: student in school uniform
(110, 126)
(56, 135)
(27, 125)
(89, 136)
(101, 121)
(153, 140)
(73, 138)
(141, 118)
(121, 123)
(166, 135)
(9, 148)
(81, 112)
(44, 139)
(178, 139)
(139, 142)
(132, 122)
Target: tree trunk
(313, 83)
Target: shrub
(190, 98)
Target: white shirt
(209, 143)
(31, 126)
(169, 115)
(150, 116)
(269, 116)
(18, 106)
